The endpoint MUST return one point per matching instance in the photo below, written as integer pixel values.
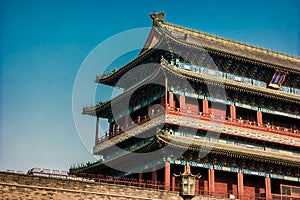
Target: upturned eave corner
(105, 76)
(94, 110)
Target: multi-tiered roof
(240, 59)
(256, 82)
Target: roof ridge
(230, 41)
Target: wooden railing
(288, 192)
(124, 181)
(134, 123)
(202, 116)
(161, 186)
(236, 122)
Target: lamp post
(187, 183)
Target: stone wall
(20, 186)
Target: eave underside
(104, 148)
(174, 74)
(217, 156)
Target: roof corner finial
(158, 16)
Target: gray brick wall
(25, 187)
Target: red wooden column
(259, 117)
(211, 181)
(233, 112)
(197, 187)
(167, 176)
(140, 178)
(173, 183)
(268, 188)
(165, 103)
(154, 175)
(205, 107)
(116, 130)
(240, 185)
(126, 122)
(97, 131)
(171, 100)
(206, 187)
(150, 113)
(111, 128)
(182, 102)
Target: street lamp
(187, 183)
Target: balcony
(237, 122)
(249, 126)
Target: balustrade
(202, 116)
(236, 122)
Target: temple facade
(229, 109)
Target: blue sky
(44, 43)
